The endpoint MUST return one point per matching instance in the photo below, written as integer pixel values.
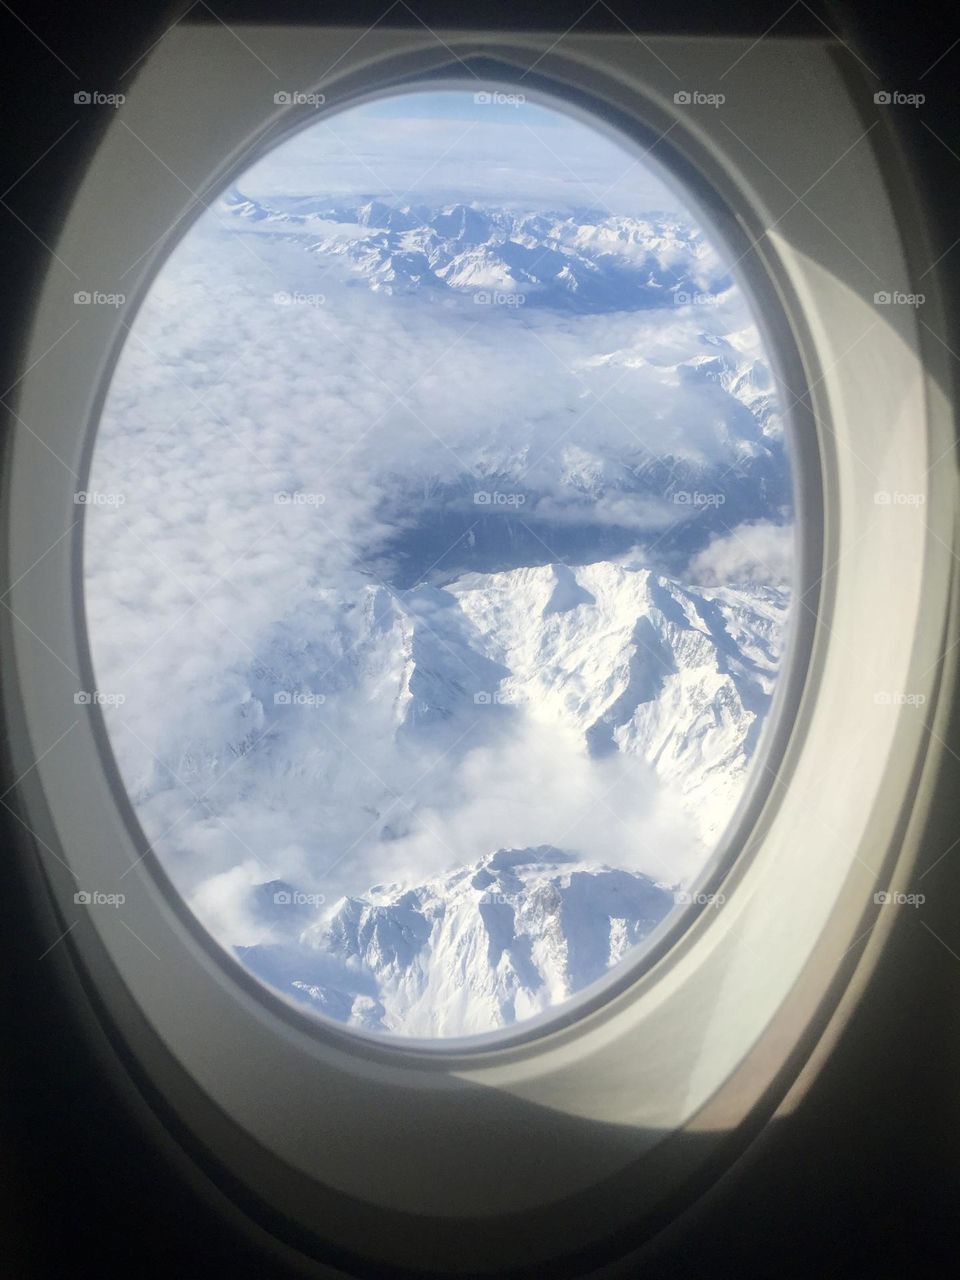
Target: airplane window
(438, 555)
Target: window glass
(438, 551)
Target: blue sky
(443, 145)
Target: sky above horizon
(444, 145)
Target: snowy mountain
(583, 261)
(615, 658)
(730, 362)
(428, 610)
(636, 663)
(668, 440)
(578, 504)
(483, 946)
(586, 665)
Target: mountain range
(582, 260)
(477, 718)
(705, 453)
(614, 660)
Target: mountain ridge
(485, 945)
(616, 661)
(607, 263)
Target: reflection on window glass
(442, 561)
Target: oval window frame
(183, 1092)
(734, 841)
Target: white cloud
(540, 787)
(758, 551)
(427, 147)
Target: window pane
(438, 554)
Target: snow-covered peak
(480, 947)
(590, 665)
(582, 261)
